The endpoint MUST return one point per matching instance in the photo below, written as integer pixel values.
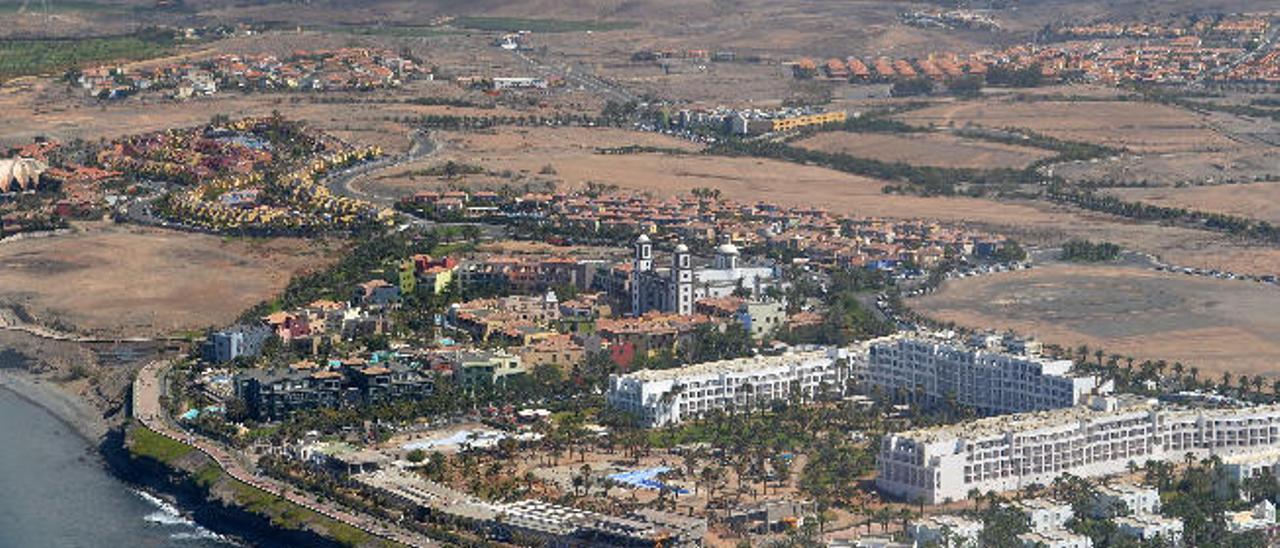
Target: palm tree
(884, 516)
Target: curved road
(147, 389)
(340, 183)
(423, 146)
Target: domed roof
(643, 239)
(727, 249)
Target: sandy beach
(67, 407)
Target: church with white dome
(676, 288)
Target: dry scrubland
(1215, 325)
(929, 149)
(1254, 200)
(1241, 165)
(1140, 127)
(113, 280)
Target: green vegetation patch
(512, 24)
(61, 6)
(1085, 251)
(289, 515)
(391, 31)
(145, 442)
(31, 57)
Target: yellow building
(797, 122)
(437, 278)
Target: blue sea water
(56, 493)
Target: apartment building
(946, 531)
(1113, 500)
(486, 367)
(1055, 538)
(659, 398)
(1044, 514)
(1151, 527)
(274, 394)
(1237, 471)
(1100, 438)
(993, 375)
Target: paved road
(147, 388)
(423, 146)
(340, 183)
(579, 78)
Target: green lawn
(513, 24)
(146, 443)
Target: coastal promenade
(147, 389)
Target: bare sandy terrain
(1140, 127)
(1216, 325)
(1254, 200)
(116, 280)
(930, 149)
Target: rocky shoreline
(175, 486)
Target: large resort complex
(666, 397)
(1104, 436)
(654, 275)
(990, 374)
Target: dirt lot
(1216, 325)
(1255, 200)
(930, 149)
(1140, 127)
(115, 280)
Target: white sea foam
(168, 514)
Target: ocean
(55, 492)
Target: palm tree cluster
(1158, 376)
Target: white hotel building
(981, 374)
(1005, 453)
(670, 396)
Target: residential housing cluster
(802, 234)
(344, 69)
(63, 190)
(1105, 53)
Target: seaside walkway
(147, 389)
